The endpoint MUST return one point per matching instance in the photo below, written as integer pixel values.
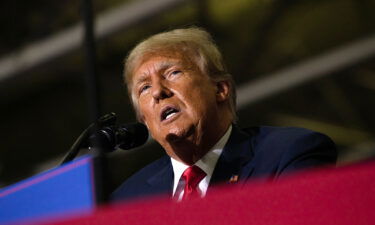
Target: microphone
(106, 120)
(125, 136)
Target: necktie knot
(192, 176)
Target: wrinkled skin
(184, 110)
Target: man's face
(178, 104)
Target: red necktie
(192, 176)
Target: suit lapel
(162, 181)
(235, 159)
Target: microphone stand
(81, 141)
(99, 158)
(101, 137)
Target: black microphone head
(131, 135)
(104, 139)
(126, 136)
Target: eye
(174, 73)
(143, 88)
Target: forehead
(157, 64)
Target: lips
(168, 112)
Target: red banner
(327, 196)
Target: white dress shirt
(207, 163)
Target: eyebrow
(160, 67)
(166, 65)
(141, 79)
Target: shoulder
(138, 185)
(284, 149)
(272, 132)
(149, 171)
(267, 136)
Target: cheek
(202, 97)
(200, 105)
(144, 111)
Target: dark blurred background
(296, 63)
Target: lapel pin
(233, 179)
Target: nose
(160, 91)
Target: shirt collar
(207, 163)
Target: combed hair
(194, 43)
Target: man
(182, 92)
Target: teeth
(169, 115)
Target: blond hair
(193, 43)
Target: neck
(190, 151)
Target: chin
(180, 130)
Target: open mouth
(168, 112)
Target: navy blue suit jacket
(267, 152)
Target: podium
(62, 192)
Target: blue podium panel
(60, 191)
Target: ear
(222, 91)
